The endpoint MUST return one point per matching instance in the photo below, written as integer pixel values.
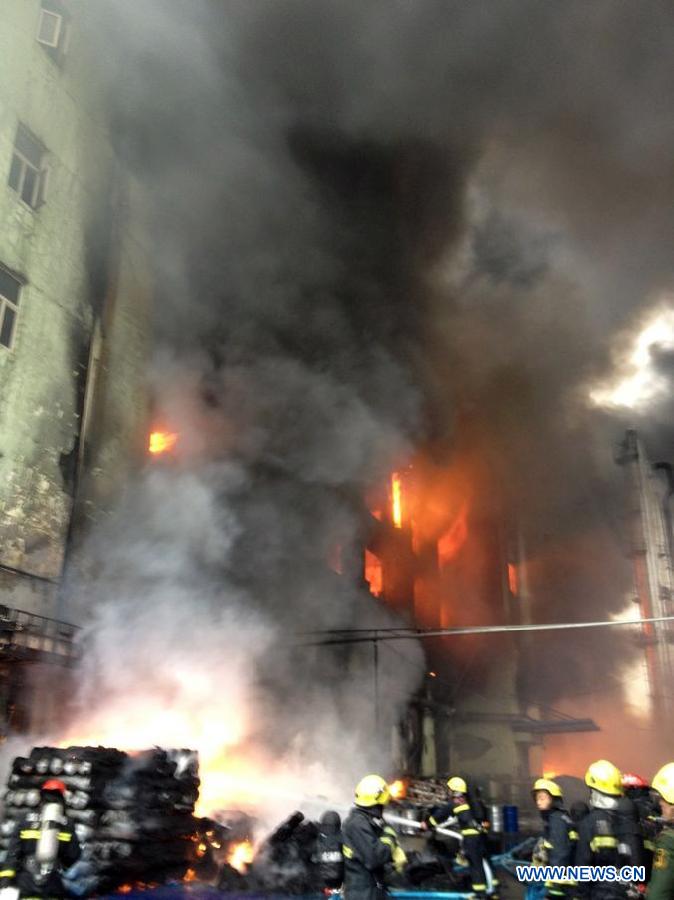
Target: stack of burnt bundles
(133, 814)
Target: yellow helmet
(372, 791)
(604, 777)
(458, 785)
(545, 784)
(663, 783)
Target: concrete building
(471, 718)
(649, 490)
(75, 285)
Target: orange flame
(454, 538)
(161, 442)
(240, 856)
(374, 574)
(513, 579)
(396, 500)
(398, 790)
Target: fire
(396, 500)
(398, 789)
(549, 775)
(240, 856)
(374, 574)
(161, 442)
(454, 538)
(513, 579)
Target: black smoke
(375, 220)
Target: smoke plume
(378, 227)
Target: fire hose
(447, 832)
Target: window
(10, 288)
(50, 28)
(53, 29)
(28, 172)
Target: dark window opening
(10, 289)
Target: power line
(409, 634)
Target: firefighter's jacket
(328, 856)
(649, 816)
(21, 868)
(367, 852)
(610, 835)
(460, 811)
(556, 847)
(661, 886)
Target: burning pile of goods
(133, 814)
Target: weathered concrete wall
(64, 251)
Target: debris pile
(133, 814)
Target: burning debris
(133, 814)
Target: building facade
(74, 297)
(75, 289)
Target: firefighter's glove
(539, 856)
(399, 859)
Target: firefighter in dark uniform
(557, 844)
(370, 846)
(638, 790)
(472, 830)
(328, 855)
(610, 834)
(661, 886)
(43, 846)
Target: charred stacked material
(133, 814)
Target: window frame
(13, 305)
(38, 195)
(44, 12)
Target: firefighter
(638, 790)
(557, 844)
(661, 886)
(472, 830)
(42, 847)
(370, 846)
(610, 834)
(328, 856)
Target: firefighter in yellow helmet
(370, 845)
(610, 834)
(462, 812)
(557, 844)
(661, 886)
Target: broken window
(28, 171)
(10, 288)
(53, 28)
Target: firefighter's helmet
(457, 785)
(372, 791)
(546, 784)
(604, 777)
(54, 784)
(663, 782)
(634, 781)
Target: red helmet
(634, 781)
(54, 785)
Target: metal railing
(28, 636)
